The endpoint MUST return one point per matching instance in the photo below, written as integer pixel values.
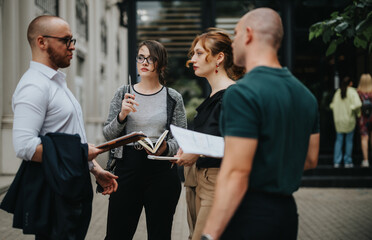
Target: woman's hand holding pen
(186, 159)
(127, 106)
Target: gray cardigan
(176, 115)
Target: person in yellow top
(346, 106)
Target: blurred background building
(108, 32)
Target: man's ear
(249, 35)
(40, 42)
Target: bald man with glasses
(49, 135)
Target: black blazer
(53, 198)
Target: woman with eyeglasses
(154, 185)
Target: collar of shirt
(49, 72)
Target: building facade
(98, 68)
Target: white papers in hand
(198, 143)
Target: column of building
(15, 59)
(1, 81)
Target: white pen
(130, 84)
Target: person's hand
(107, 180)
(185, 159)
(93, 151)
(127, 106)
(179, 153)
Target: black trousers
(264, 216)
(41, 237)
(151, 184)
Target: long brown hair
(215, 41)
(344, 84)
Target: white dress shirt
(42, 103)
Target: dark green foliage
(353, 24)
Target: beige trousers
(206, 181)
(190, 184)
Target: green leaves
(327, 33)
(341, 27)
(315, 30)
(353, 24)
(360, 43)
(331, 48)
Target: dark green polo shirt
(272, 106)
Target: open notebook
(147, 143)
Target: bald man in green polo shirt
(270, 123)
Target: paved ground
(324, 214)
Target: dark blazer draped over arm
(54, 197)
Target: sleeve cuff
(165, 153)
(121, 122)
(90, 165)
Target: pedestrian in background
(270, 123)
(345, 106)
(365, 120)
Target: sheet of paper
(198, 143)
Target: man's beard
(57, 59)
(239, 59)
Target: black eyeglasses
(66, 40)
(149, 59)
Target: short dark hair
(39, 26)
(158, 51)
